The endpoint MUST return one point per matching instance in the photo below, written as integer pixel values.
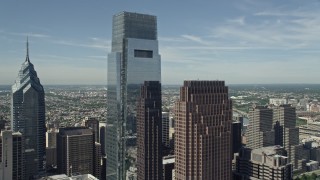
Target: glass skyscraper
(133, 60)
(28, 118)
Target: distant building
(11, 155)
(286, 132)
(259, 133)
(75, 151)
(263, 163)
(203, 131)
(278, 101)
(149, 132)
(28, 117)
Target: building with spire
(28, 118)
(134, 59)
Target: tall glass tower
(28, 117)
(133, 60)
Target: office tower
(263, 163)
(259, 132)
(28, 117)
(236, 137)
(165, 129)
(284, 119)
(75, 150)
(133, 60)
(203, 132)
(149, 128)
(168, 167)
(93, 124)
(11, 155)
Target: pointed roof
(27, 58)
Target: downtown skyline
(239, 42)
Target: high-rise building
(259, 133)
(28, 117)
(287, 134)
(203, 132)
(263, 163)
(11, 155)
(93, 123)
(133, 60)
(165, 129)
(75, 151)
(149, 128)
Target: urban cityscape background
(234, 99)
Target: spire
(27, 58)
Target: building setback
(28, 118)
(149, 132)
(203, 132)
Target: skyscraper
(93, 123)
(28, 117)
(284, 119)
(75, 151)
(133, 60)
(259, 132)
(203, 133)
(149, 128)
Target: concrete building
(134, 58)
(263, 163)
(259, 132)
(203, 131)
(97, 159)
(28, 117)
(75, 151)
(11, 156)
(149, 132)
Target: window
(143, 53)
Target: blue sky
(240, 41)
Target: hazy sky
(240, 41)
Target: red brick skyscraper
(203, 131)
(149, 129)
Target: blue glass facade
(133, 60)
(28, 117)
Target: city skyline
(239, 42)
